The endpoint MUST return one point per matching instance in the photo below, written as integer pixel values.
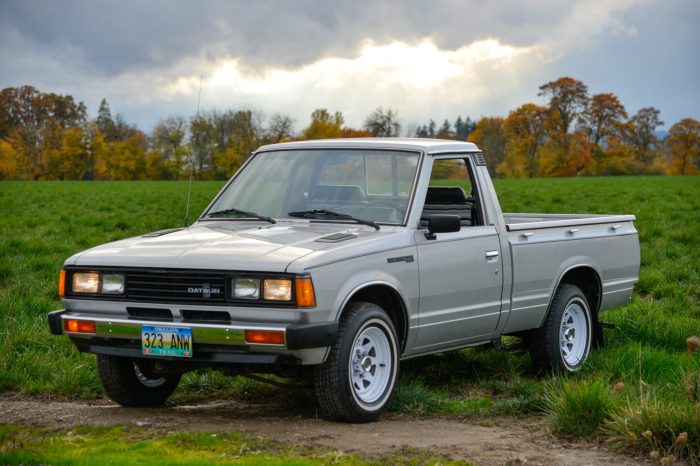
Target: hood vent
(336, 238)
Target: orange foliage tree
(490, 136)
(684, 147)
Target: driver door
(461, 276)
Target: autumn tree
(168, 143)
(34, 121)
(202, 144)
(65, 111)
(383, 123)
(683, 144)
(127, 158)
(566, 153)
(348, 132)
(247, 131)
(643, 134)
(324, 125)
(525, 131)
(235, 135)
(568, 98)
(279, 129)
(8, 161)
(490, 136)
(603, 117)
(73, 159)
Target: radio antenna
(189, 188)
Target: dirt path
(507, 441)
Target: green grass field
(41, 224)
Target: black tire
(126, 384)
(547, 344)
(344, 394)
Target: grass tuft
(577, 407)
(658, 429)
(414, 397)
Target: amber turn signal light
(264, 337)
(79, 326)
(62, 284)
(305, 292)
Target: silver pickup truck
(336, 260)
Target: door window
(451, 191)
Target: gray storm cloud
(427, 59)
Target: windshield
(373, 185)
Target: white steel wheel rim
(370, 365)
(573, 336)
(145, 381)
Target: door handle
(489, 254)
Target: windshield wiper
(241, 212)
(316, 213)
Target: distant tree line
(47, 136)
(579, 134)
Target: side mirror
(440, 223)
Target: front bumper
(118, 336)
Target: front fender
(336, 283)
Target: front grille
(149, 313)
(205, 316)
(176, 286)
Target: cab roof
(429, 146)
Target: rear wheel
(563, 342)
(357, 379)
(130, 385)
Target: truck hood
(225, 245)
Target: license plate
(166, 341)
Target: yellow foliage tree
(525, 133)
(8, 161)
(324, 125)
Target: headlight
(112, 283)
(86, 282)
(246, 288)
(277, 289)
(92, 283)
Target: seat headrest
(338, 193)
(445, 195)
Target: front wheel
(357, 379)
(127, 384)
(563, 342)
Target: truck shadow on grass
(472, 382)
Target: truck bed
(545, 246)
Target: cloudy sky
(426, 59)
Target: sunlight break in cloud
(415, 67)
(415, 78)
(419, 66)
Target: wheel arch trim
(403, 338)
(593, 307)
